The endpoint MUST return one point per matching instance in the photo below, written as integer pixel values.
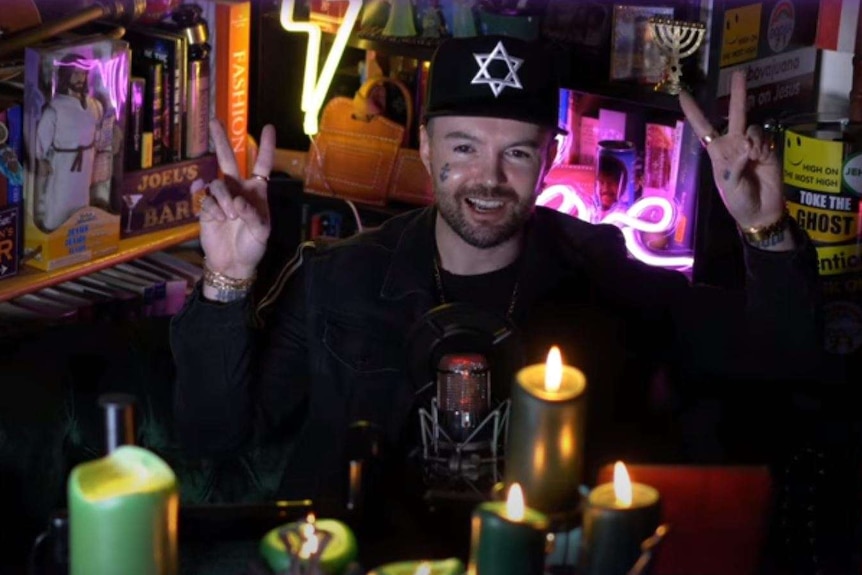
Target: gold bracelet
(760, 234)
(226, 283)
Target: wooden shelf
(30, 280)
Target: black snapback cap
(494, 76)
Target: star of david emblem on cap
(497, 85)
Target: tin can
(615, 175)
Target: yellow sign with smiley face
(741, 34)
(812, 163)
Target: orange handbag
(361, 156)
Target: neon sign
(629, 221)
(112, 73)
(314, 87)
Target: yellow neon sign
(314, 88)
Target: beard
(452, 209)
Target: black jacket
(336, 346)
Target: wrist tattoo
(223, 295)
(770, 241)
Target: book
(135, 158)
(11, 189)
(109, 303)
(232, 41)
(85, 308)
(76, 95)
(111, 279)
(192, 272)
(45, 307)
(176, 286)
(12, 153)
(160, 292)
(10, 225)
(170, 48)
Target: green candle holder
(613, 534)
(442, 567)
(123, 515)
(281, 548)
(546, 440)
(503, 546)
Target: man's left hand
(744, 165)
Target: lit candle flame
(310, 540)
(553, 370)
(423, 569)
(622, 485)
(515, 503)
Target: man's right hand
(234, 215)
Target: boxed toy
(76, 98)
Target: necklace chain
(441, 294)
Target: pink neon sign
(662, 216)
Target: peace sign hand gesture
(744, 165)
(234, 216)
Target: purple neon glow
(566, 199)
(113, 73)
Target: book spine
(154, 115)
(15, 124)
(179, 100)
(232, 56)
(197, 117)
(135, 123)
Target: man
(611, 179)
(65, 145)
(340, 318)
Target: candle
(546, 434)
(442, 567)
(328, 541)
(618, 517)
(507, 538)
(123, 511)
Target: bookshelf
(31, 280)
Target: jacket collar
(553, 243)
(411, 269)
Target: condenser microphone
(463, 393)
(462, 434)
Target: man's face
(485, 173)
(607, 189)
(78, 80)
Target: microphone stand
(127, 10)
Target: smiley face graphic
(741, 34)
(731, 23)
(812, 159)
(793, 152)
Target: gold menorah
(678, 39)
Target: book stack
(169, 162)
(155, 285)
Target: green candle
(442, 567)
(507, 538)
(123, 511)
(546, 434)
(615, 523)
(336, 539)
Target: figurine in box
(76, 100)
(68, 133)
